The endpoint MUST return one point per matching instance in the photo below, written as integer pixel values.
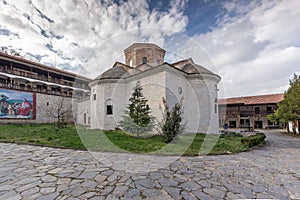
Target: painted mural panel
(16, 104)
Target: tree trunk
(294, 127)
(297, 126)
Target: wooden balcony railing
(261, 113)
(37, 76)
(44, 91)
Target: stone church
(144, 62)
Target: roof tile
(250, 100)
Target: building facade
(144, 62)
(30, 91)
(250, 111)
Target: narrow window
(242, 121)
(269, 109)
(216, 105)
(109, 107)
(94, 97)
(248, 122)
(257, 110)
(109, 110)
(84, 118)
(144, 60)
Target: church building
(144, 62)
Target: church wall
(119, 96)
(206, 94)
(199, 100)
(97, 106)
(119, 93)
(109, 93)
(50, 103)
(214, 127)
(153, 90)
(190, 103)
(83, 111)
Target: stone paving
(271, 172)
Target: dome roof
(192, 68)
(113, 73)
(118, 71)
(143, 67)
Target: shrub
(230, 134)
(171, 125)
(253, 140)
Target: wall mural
(16, 104)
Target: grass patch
(41, 134)
(118, 141)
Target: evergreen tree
(138, 119)
(289, 109)
(171, 125)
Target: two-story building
(249, 111)
(29, 89)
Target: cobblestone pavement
(271, 172)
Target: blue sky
(252, 44)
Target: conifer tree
(171, 125)
(137, 119)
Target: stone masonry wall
(44, 103)
(83, 111)
(154, 56)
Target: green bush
(253, 140)
(230, 134)
(171, 125)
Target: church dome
(113, 73)
(192, 68)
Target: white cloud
(255, 47)
(86, 32)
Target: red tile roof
(250, 100)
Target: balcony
(63, 93)
(37, 76)
(261, 113)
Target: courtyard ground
(32, 172)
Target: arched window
(216, 88)
(130, 63)
(94, 95)
(144, 60)
(109, 107)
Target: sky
(253, 45)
